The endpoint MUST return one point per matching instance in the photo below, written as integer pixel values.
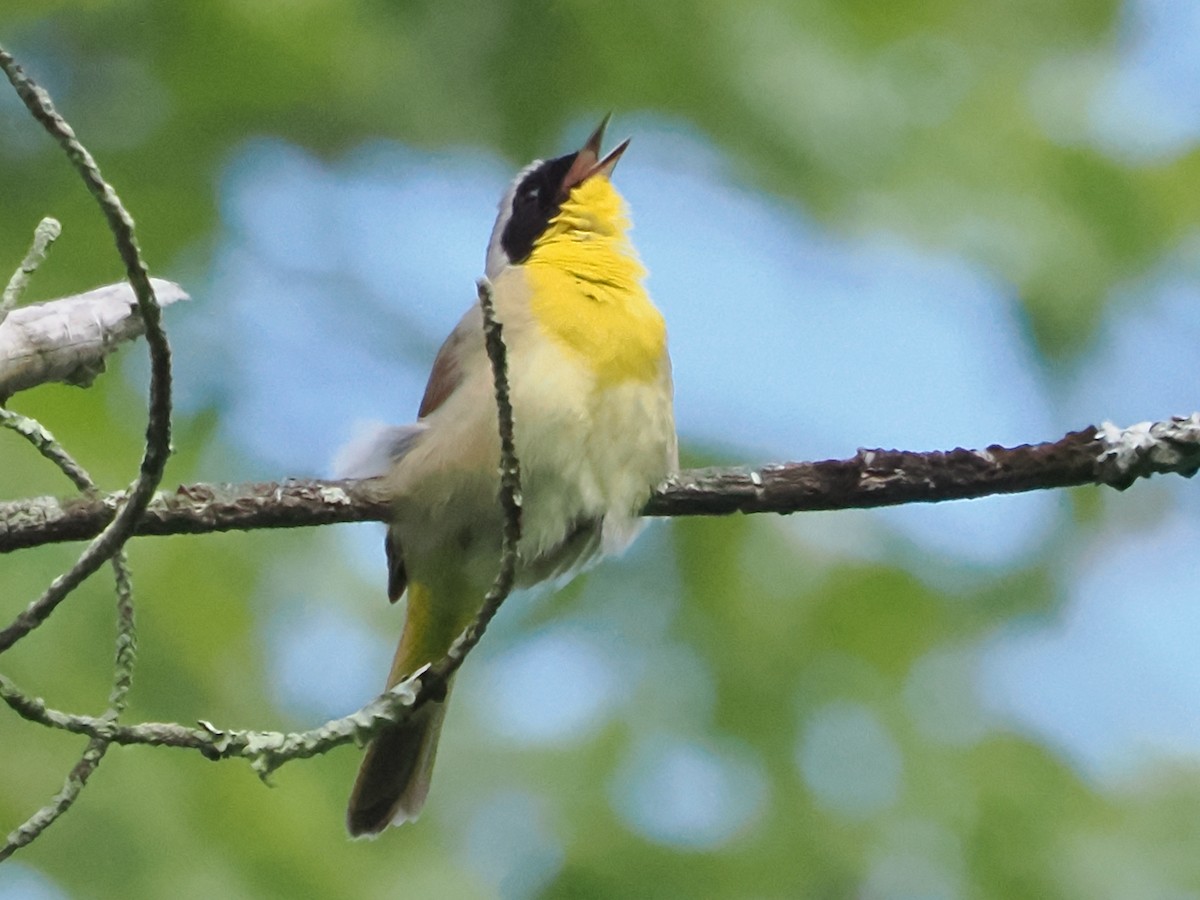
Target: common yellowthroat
(590, 384)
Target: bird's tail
(393, 780)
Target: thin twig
(28, 831)
(46, 444)
(158, 429)
(44, 235)
(125, 652)
(265, 750)
(124, 655)
(435, 678)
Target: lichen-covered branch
(265, 750)
(1108, 455)
(68, 340)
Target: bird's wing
(375, 451)
(448, 372)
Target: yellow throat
(587, 291)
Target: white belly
(589, 461)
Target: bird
(591, 390)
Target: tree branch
(265, 750)
(69, 339)
(1108, 455)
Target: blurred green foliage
(840, 106)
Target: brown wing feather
(444, 378)
(447, 372)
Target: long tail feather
(393, 781)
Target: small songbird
(590, 384)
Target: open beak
(588, 162)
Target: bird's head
(569, 193)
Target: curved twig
(158, 428)
(434, 680)
(125, 653)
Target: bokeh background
(918, 224)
